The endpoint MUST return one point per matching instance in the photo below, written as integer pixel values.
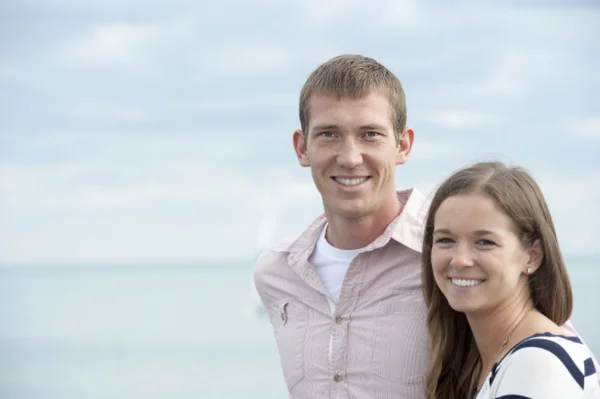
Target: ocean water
(160, 331)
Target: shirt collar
(407, 229)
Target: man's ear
(300, 147)
(536, 256)
(405, 144)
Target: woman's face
(478, 260)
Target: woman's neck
(498, 333)
(495, 332)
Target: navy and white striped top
(544, 366)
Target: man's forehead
(323, 104)
(323, 95)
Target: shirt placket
(340, 328)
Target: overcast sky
(154, 130)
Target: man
(344, 297)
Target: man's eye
(326, 134)
(372, 134)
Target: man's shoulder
(277, 254)
(294, 242)
(272, 269)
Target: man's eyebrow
(325, 127)
(330, 126)
(372, 126)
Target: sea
(168, 330)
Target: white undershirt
(331, 264)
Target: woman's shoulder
(546, 365)
(561, 346)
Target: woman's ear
(536, 255)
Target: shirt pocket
(400, 351)
(289, 320)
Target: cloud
(8, 71)
(587, 128)
(429, 149)
(386, 13)
(246, 58)
(123, 44)
(242, 101)
(144, 147)
(109, 171)
(106, 111)
(521, 68)
(217, 86)
(191, 210)
(320, 14)
(507, 60)
(512, 72)
(94, 186)
(128, 236)
(573, 201)
(460, 119)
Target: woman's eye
(486, 243)
(443, 240)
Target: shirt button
(339, 319)
(337, 378)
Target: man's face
(352, 151)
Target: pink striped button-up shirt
(373, 343)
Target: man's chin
(354, 212)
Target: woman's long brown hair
(455, 365)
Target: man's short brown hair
(354, 76)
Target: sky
(150, 131)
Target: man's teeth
(465, 283)
(350, 182)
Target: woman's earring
(529, 270)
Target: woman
(497, 292)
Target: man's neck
(358, 233)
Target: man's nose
(350, 154)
